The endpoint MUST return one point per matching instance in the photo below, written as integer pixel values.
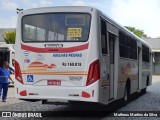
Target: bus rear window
(56, 27)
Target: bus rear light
(18, 74)
(94, 73)
(23, 93)
(85, 94)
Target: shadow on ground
(77, 109)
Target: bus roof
(59, 9)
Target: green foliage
(9, 37)
(139, 33)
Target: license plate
(54, 82)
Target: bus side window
(145, 54)
(122, 44)
(104, 37)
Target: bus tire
(126, 95)
(144, 90)
(147, 83)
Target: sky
(141, 14)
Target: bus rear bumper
(87, 93)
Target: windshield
(56, 27)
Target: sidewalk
(11, 98)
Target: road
(149, 101)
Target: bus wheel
(126, 95)
(147, 83)
(144, 90)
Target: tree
(9, 37)
(138, 32)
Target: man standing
(4, 81)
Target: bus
(78, 54)
(7, 53)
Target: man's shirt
(4, 74)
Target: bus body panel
(69, 67)
(128, 69)
(89, 93)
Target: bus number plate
(54, 82)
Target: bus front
(55, 58)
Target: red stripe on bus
(55, 50)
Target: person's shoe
(3, 100)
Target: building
(3, 30)
(155, 45)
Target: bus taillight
(18, 74)
(94, 72)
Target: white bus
(7, 54)
(78, 54)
